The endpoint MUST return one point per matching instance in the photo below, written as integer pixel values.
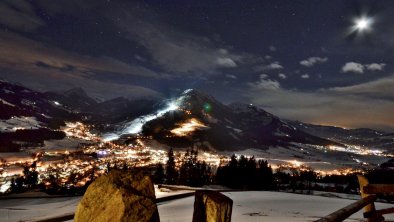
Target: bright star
(362, 24)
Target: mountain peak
(76, 91)
(194, 92)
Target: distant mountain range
(221, 127)
(24, 112)
(360, 137)
(196, 118)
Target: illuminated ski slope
(135, 126)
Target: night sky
(301, 60)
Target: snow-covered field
(266, 206)
(15, 123)
(248, 206)
(37, 208)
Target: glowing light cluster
(295, 163)
(357, 150)
(188, 127)
(79, 130)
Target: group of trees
(246, 173)
(191, 172)
(29, 179)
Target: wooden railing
(368, 197)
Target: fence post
(370, 208)
(211, 206)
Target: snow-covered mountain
(192, 118)
(31, 116)
(197, 118)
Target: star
(363, 24)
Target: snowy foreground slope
(266, 206)
(248, 206)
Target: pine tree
(265, 174)
(30, 175)
(158, 177)
(171, 172)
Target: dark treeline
(191, 172)
(249, 174)
(246, 173)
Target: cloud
(264, 83)
(168, 48)
(353, 67)
(45, 80)
(375, 66)
(176, 51)
(19, 15)
(360, 68)
(311, 61)
(226, 62)
(272, 66)
(328, 107)
(305, 76)
(45, 67)
(264, 76)
(21, 53)
(282, 76)
(272, 48)
(164, 51)
(380, 88)
(230, 76)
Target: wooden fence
(369, 194)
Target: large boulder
(119, 196)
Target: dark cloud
(19, 15)
(230, 76)
(22, 53)
(381, 88)
(179, 52)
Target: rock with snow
(119, 196)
